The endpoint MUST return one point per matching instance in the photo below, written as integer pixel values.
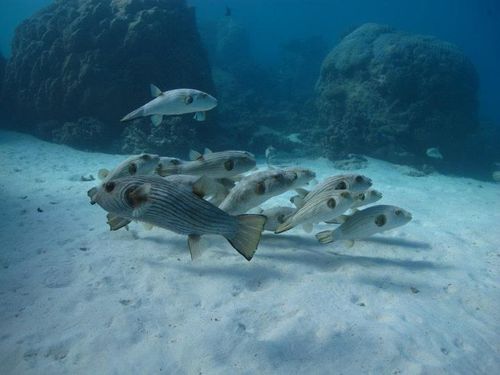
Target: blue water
(472, 25)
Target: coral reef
(86, 133)
(96, 58)
(171, 138)
(393, 95)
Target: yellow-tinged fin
(194, 245)
(156, 119)
(199, 116)
(200, 187)
(195, 155)
(349, 243)
(103, 173)
(116, 222)
(248, 234)
(155, 91)
(325, 236)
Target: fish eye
(188, 99)
(359, 179)
(281, 218)
(331, 203)
(361, 196)
(380, 220)
(345, 194)
(145, 157)
(109, 186)
(341, 186)
(229, 165)
(132, 168)
(398, 212)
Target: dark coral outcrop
(80, 58)
(392, 94)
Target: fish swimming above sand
(203, 186)
(258, 187)
(351, 182)
(366, 197)
(320, 208)
(174, 102)
(143, 164)
(276, 216)
(223, 164)
(158, 202)
(365, 223)
(434, 153)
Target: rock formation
(392, 94)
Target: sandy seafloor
(76, 298)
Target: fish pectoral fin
(148, 226)
(116, 222)
(325, 236)
(195, 155)
(200, 186)
(199, 116)
(195, 246)
(103, 173)
(308, 227)
(156, 119)
(297, 201)
(155, 91)
(207, 151)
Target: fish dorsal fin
(200, 186)
(207, 151)
(302, 192)
(297, 201)
(155, 91)
(195, 155)
(194, 244)
(156, 119)
(103, 173)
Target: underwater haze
(250, 187)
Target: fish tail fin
(326, 236)
(248, 235)
(139, 112)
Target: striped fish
(155, 201)
(276, 216)
(321, 207)
(222, 164)
(205, 187)
(351, 182)
(142, 164)
(365, 223)
(257, 188)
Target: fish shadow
(399, 242)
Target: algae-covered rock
(393, 95)
(79, 58)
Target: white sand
(79, 299)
